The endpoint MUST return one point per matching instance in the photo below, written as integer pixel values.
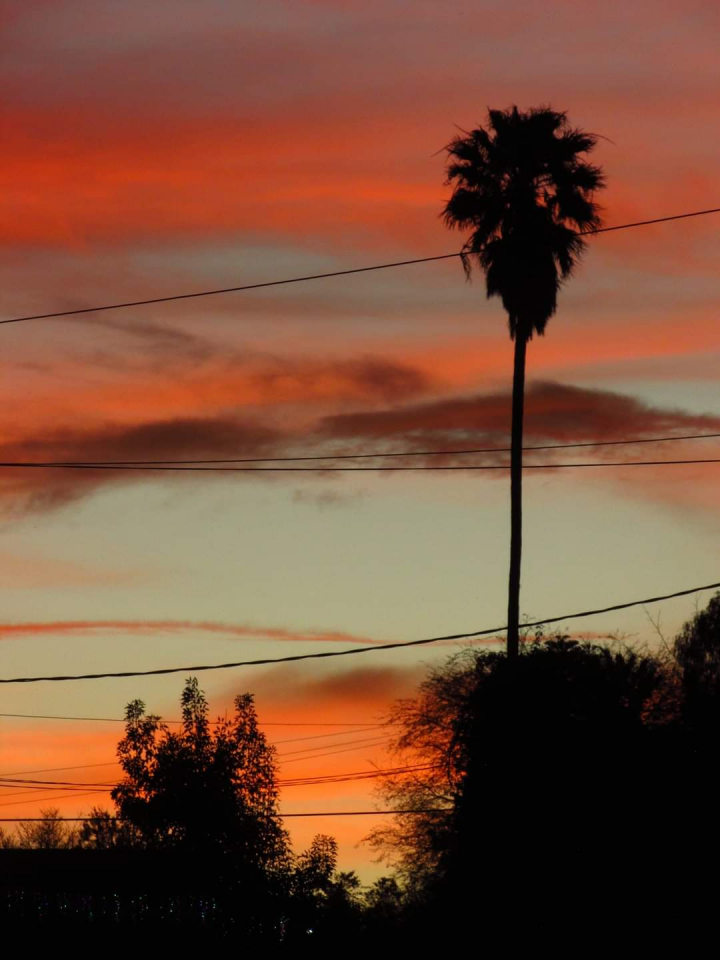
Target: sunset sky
(154, 148)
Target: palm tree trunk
(516, 442)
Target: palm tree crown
(522, 188)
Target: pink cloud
(553, 412)
(227, 630)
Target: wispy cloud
(553, 412)
(38, 489)
(350, 693)
(165, 627)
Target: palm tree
(523, 189)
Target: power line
(360, 775)
(328, 753)
(363, 741)
(240, 289)
(322, 813)
(359, 745)
(297, 756)
(165, 468)
(322, 736)
(34, 798)
(322, 276)
(261, 723)
(79, 766)
(365, 813)
(63, 796)
(355, 650)
(287, 782)
(375, 727)
(310, 752)
(106, 464)
(42, 784)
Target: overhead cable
(261, 723)
(322, 276)
(325, 654)
(322, 813)
(355, 456)
(287, 782)
(165, 468)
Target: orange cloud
(191, 417)
(182, 389)
(75, 187)
(554, 412)
(27, 571)
(75, 627)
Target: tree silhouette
(697, 652)
(534, 825)
(103, 831)
(323, 901)
(202, 790)
(524, 191)
(414, 842)
(49, 833)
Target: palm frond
(524, 190)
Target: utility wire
(310, 754)
(350, 456)
(356, 650)
(328, 753)
(317, 736)
(261, 723)
(360, 775)
(364, 813)
(323, 736)
(46, 784)
(63, 796)
(79, 766)
(359, 745)
(288, 782)
(323, 813)
(361, 742)
(319, 469)
(323, 276)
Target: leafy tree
(104, 831)
(697, 652)
(8, 841)
(522, 188)
(384, 898)
(49, 833)
(692, 791)
(415, 840)
(548, 774)
(199, 789)
(325, 903)
(315, 867)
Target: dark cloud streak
(554, 413)
(181, 438)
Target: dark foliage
(202, 800)
(202, 789)
(571, 802)
(523, 189)
(555, 770)
(697, 651)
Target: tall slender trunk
(518, 404)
